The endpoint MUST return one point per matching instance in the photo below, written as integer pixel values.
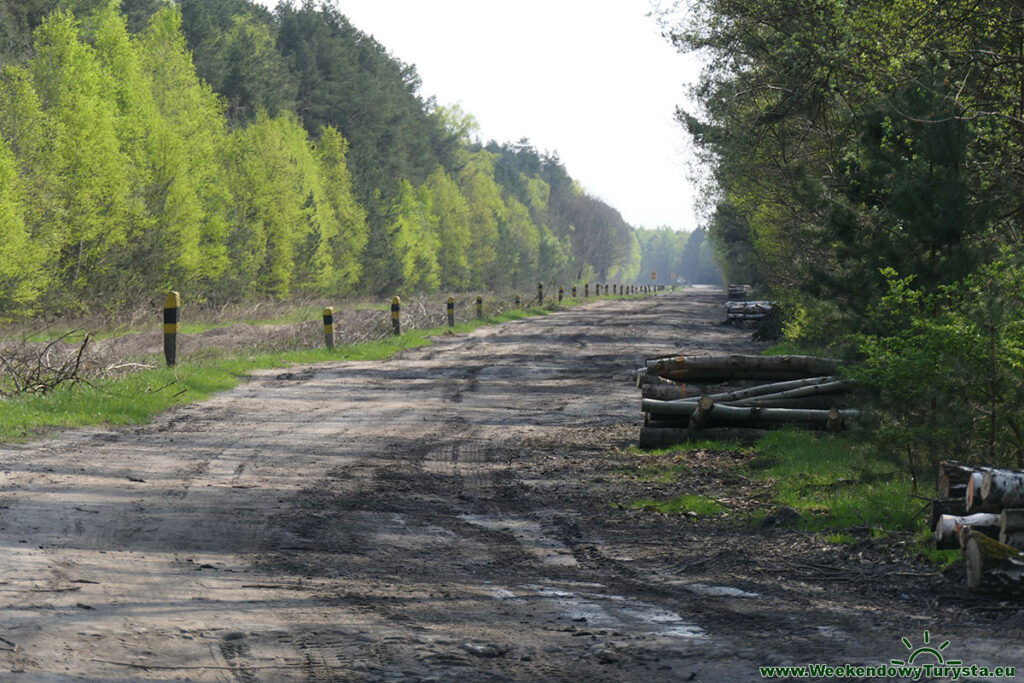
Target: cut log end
(993, 566)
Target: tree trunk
(656, 407)
(948, 530)
(973, 495)
(738, 415)
(1011, 521)
(809, 391)
(664, 392)
(739, 366)
(1002, 487)
(699, 417)
(645, 379)
(946, 506)
(1014, 539)
(993, 566)
(651, 437)
(765, 390)
(823, 402)
(953, 478)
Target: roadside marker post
(480, 307)
(561, 294)
(172, 325)
(451, 311)
(540, 293)
(586, 290)
(396, 315)
(329, 327)
(574, 291)
(519, 301)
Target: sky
(592, 80)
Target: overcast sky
(591, 80)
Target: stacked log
(742, 311)
(739, 367)
(737, 292)
(981, 511)
(805, 393)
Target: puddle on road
(598, 610)
(720, 591)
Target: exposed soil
(458, 513)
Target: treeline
(867, 171)
(685, 257)
(232, 152)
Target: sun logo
(925, 649)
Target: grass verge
(841, 488)
(836, 483)
(138, 397)
(687, 503)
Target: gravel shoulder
(455, 513)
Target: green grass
(138, 397)
(787, 348)
(700, 505)
(694, 445)
(836, 483)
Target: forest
(231, 152)
(866, 170)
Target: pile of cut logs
(742, 311)
(679, 404)
(981, 511)
(737, 292)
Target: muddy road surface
(460, 512)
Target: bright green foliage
(414, 238)
(309, 164)
(269, 221)
(20, 276)
(84, 183)
(868, 156)
(518, 245)
(487, 210)
(453, 229)
(188, 199)
(349, 238)
(949, 367)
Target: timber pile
(800, 391)
(737, 292)
(981, 511)
(744, 311)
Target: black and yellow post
(561, 294)
(172, 325)
(329, 327)
(540, 293)
(586, 290)
(480, 307)
(574, 291)
(519, 301)
(396, 315)
(451, 311)
(615, 289)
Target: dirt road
(447, 515)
